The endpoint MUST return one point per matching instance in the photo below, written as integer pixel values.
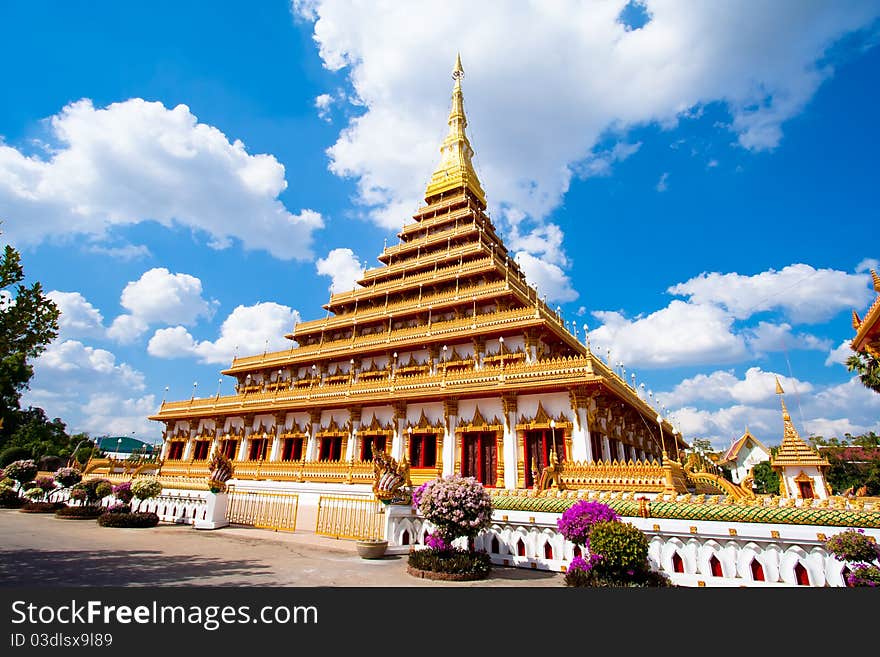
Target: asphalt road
(41, 550)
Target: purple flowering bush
(854, 547)
(456, 506)
(123, 492)
(577, 521)
(68, 477)
(22, 471)
(436, 542)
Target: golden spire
(793, 450)
(455, 169)
(779, 390)
(876, 279)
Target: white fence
(691, 553)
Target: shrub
(11, 454)
(853, 545)
(147, 488)
(45, 483)
(34, 494)
(119, 508)
(456, 505)
(92, 490)
(123, 492)
(864, 575)
(103, 489)
(132, 520)
(577, 521)
(9, 498)
(21, 471)
(68, 477)
(623, 548)
(82, 512)
(78, 494)
(452, 561)
(41, 507)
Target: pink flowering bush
(68, 477)
(577, 521)
(456, 505)
(123, 492)
(856, 548)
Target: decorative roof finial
(856, 321)
(779, 390)
(876, 279)
(458, 71)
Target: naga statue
(391, 483)
(552, 474)
(220, 471)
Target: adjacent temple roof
(793, 450)
(867, 329)
(731, 454)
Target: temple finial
(458, 71)
(876, 279)
(779, 390)
(856, 321)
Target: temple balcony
(374, 276)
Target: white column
(311, 453)
(580, 437)
(275, 454)
(350, 452)
(397, 440)
(188, 450)
(242, 449)
(510, 451)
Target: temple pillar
(509, 444)
(399, 421)
(479, 349)
(314, 425)
(606, 449)
(580, 432)
(450, 413)
(280, 422)
(354, 415)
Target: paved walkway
(41, 550)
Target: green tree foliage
(868, 369)
(28, 322)
(766, 480)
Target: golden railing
(372, 276)
(359, 518)
(346, 472)
(263, 509)
(432, 239)
(647, 476)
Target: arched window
(577, 551)
(520, 548)
(495, 546)
(844, 574)
(801, 576)
(757, 571)
(677, 563)
(548, 550)
(404, 539)
(715, 567)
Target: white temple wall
(555, 403)
(490, 408)
(791, 473)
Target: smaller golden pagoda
(801, 468)
(867, 330)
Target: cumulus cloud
(548, 278)
(343, 268)
(680, 334)
(802, 292)
(840, 354)
(136, 161)
(159, 296)
(767, 337)
(79, 318)
(69, 379)
(248, 330)
(600, 76)
(724, 386)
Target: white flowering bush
(147, 488)
(456, 505)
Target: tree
(868, 369)
(766, 480)
(28, 323)
(41, 436)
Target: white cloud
(662, 184)
(601, 163)
(323, 103)
(79, 318)
(136, 161)
(548, 278)
(803, 293)
(767, 337)
(680, 334)
(723, 386)
(73, 381)
(249, 330)
(598, 78)
(159, 296)
(868, 264)
(343, 267)
(840, 354)
(125, 252)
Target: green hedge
(458, 562)
(135, 520)
(80, 512)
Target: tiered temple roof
(868, 329)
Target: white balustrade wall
(528, 539)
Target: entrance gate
(358, 518)
(263, 509)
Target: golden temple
(445, 358)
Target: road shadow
(35, 567)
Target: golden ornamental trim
(479, 423)
(542, 419)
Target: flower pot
(371, 549)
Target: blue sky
(698, 185)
